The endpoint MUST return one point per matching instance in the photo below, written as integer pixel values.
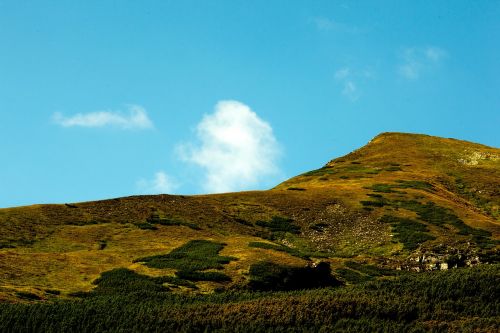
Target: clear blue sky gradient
(284, 59)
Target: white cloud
(236, 148)
(137, 118)
(161, 183)
(347, 78)
(410, 70)
(416, 61)
(350, 90)
(435, 54)
(328, 24)
(342, 73)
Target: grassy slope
(66, 247)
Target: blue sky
(100, 99)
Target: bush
(196, 255)
(203, 276)
(28, 296)
(407, 231)
(146, 226)
(280, 224)
(123, 280)
(266, 275)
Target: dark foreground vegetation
(465, 300)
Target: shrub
(266, 275)
(28, 296)
(280, 224)
(146, 226)
(203, 276)
(123, 280)
(296, 189)
(407, 231)
(196, 255)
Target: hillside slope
(402, 202)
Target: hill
(402, 203)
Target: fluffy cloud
(417, 60)
(137, 118)
(236, 148)
(161, 183)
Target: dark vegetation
(27, 296)
(278, 226)
(122, 281)
(465, 300)
(355, 272)
(412, 233)
(407, 231)
(146, 226)
(278, 247)
(296, 189)
(401, 184)
(191, 259)
(440, 216)
(102, 244)
(265, 276)
(158, 218)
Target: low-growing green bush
(146, 226)
(280, 224)
(28, 296)
(407, 231)
(196, 255)
(203, 276)
(266, 275)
